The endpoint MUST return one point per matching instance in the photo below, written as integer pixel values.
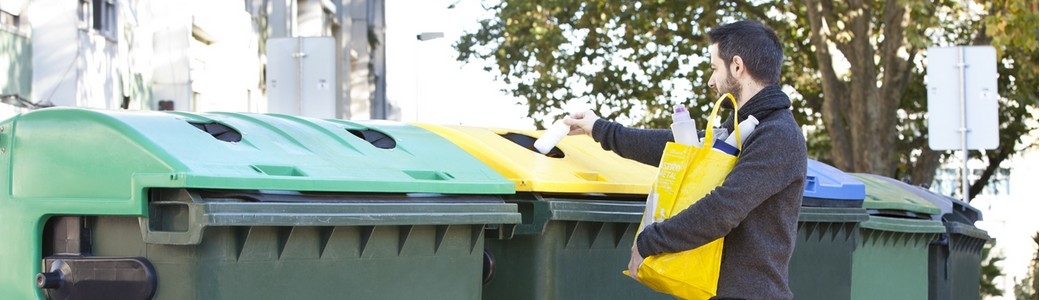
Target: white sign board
(969, 95)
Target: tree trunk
(860, 114)
(870, 156)
(923, 172)
(834, 95)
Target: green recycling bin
(581, 207)
(169, 205)
(891, 260)
(955, 258)
(828, 226)
(956, 266)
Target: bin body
(955, 258)
(821, 265)
(965, 250)
(308, 262)
(828, 226)
(239, 206)
(891, 261)
(955, 262)
(576, 254)
(892, 258)
(964, 262)
(581, 207)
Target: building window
(9, 19)
(104, 17)
(329, 21)
(999, 183)
(11, 22)
(948, 182)
(84, 14)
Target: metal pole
(961, 66)
(421, 37)
(299, 75)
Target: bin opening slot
(219, 131)
(376, 138)
(527, 142)
(898, 214)
(166, 197)
(593, 197)
(826, 202)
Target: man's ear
(736, 66)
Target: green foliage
(1008, 28)
(1029, 287)
(990, 272)
(627, 59)
(634, 60)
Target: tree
(1007, 27)
(990, 272)
(1029, 288)
(625, 59)
(636, 59)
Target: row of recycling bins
(171, 205)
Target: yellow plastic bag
(687, 174)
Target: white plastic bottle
(684, 128)
(721, 133)
(746, 127)
(551, 137)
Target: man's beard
(734, 88)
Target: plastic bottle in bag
(746, 127)
(729, 146)
(684, 128)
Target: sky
(449, 92)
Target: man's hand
(634, 263)
(581, 122)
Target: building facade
(183, 55)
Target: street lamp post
(421, 37)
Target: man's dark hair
(757, 46)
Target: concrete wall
(55, 51)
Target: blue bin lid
(826, 186)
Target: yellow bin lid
(577, 164)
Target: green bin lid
(80, 153)
(966, 230)
(904, 225)
(888, 197)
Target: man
(756, 207)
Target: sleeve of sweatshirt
(642, 145)
(766, 166)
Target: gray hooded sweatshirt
(755, 208)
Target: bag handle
(709, 133)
